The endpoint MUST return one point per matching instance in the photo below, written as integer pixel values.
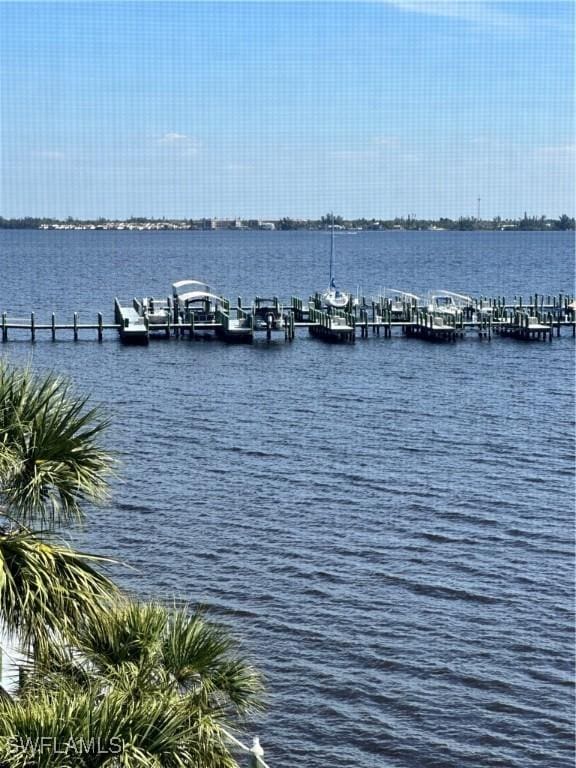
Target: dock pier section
(137, 321)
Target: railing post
(256, 754)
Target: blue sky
(269, 109)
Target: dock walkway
(138, 321)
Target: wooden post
(4, 327)
(100, 331)
(53, 327)
(32, 327)
(75, 326)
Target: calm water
(388, 526)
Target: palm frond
(49, 588)
(168, 683)
(55, 728)
(130, 633)
(50, 457)
(202, 657)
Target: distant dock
(200, 313)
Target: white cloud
(180, 142)
(562, 152)
(478, 12)
(173, 138)
(386, 141)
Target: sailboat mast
(331, 251)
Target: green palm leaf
(48, 588)
(202, 658)
(50, 460)
(57, 729)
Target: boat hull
(335, 299)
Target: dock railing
(256, 759)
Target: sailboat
(333, 297)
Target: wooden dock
(132, 324)
(30, 325)
(140, 320)
(334, 326)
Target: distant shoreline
(563, 223)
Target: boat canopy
(402, 293)
(190, 285)
(451, 294)
(198, 296)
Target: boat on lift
(400, 300)
(333, 298)
(193, 297)
(448, 302)
(268, 315)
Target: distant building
(222, 224)
(267, 225)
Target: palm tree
(50, 464)
(165, 684)
(55, 729)
(175, 649)
(47, 588)
(150, 685)
(50, 459)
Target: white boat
(399, 300)
(157, 313)
(267, 314)
(194, 297)
(332, 297)
(448, 302)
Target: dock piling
(539, 318)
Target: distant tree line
(563, 222)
